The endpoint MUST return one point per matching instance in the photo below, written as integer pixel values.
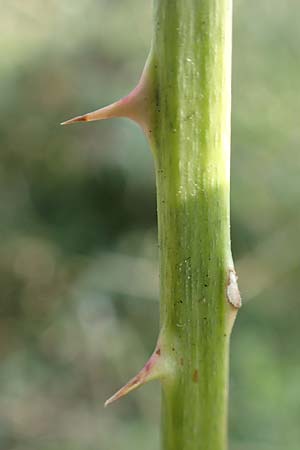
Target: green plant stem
(182, 102)
(191, 67)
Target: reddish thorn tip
(75, 119)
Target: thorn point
(83, 118)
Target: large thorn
(152, 370)
(135, 106)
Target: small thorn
(150, 371)
(233, 293)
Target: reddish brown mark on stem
(196, 376)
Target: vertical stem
(182, 103)
(191, 68)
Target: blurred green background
(78, 260)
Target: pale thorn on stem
(135, 106)
(152, 370)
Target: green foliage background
(78, 260)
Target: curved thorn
(150, 371)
